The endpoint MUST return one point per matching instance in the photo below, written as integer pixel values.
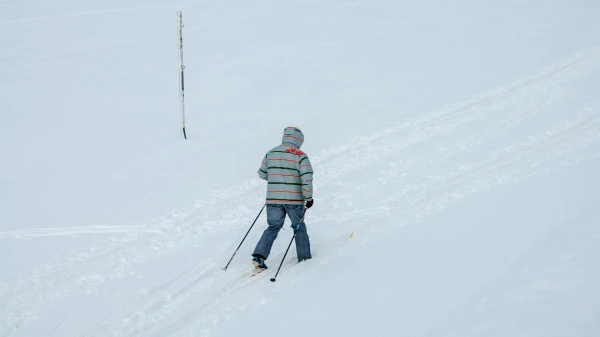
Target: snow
(455, 147)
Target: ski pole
(288, 248)
(261, 210)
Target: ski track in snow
(39, 232)
(193, 301)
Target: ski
(257, 272)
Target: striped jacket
(287, 170)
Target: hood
(293, 136)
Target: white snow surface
(456, 149)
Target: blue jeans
(275, 218)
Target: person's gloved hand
(309, 203)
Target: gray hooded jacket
(287, 170)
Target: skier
(289, 175)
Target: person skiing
(289, 175)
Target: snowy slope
(456, 151)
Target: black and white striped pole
(181, 67)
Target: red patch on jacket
(294, 151)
